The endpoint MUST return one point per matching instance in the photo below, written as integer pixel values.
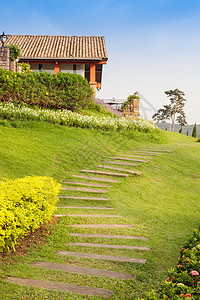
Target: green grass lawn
(163, 203)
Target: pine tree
(194, 131)
(180, 130)
(174, 110)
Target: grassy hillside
(163, 203)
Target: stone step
(104, 257)
(135, 155)
(84, 198)
(88, 216)
(119, 163)
(85, 207)
(81, 270)
(153, 150)
(87, 184)
(129, 159)
(107, 236)
(100, 225)
(96, 178)
(84, 190)
(109, 246)
(144, 153)
(119, 169)
(105, 173)
(58, 286)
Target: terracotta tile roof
(45, 46)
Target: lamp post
(3, 38)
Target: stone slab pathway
(109, 246)
(139, 156)
(84, 198)
(89, 216)
(104, 257)
(100, 225)
(119, 163)
(85, 190)
(119, 169)
(129, 159)
(86, 207)
(105, 173)
(81, 270)
(87, 184)
(107, 236)
(64, 287)
(96, 178)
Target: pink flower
(169, 279)
(188, 296)
(194, 273)
(180, 266)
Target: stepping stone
(89, 216)
(152, 150)
(87, 184)
(58, 286)
(84, 198)
(81, 270)
(84, 190)
(100, 226)
(119, 169)
(145, 153)
(109, 246)
(96, 178)
(137, 155)
(105, 173)
(129, 159)
(87, 235)
(104, 257)
(119, 163)
(85, 207)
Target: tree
(194, 131)
(173, 111)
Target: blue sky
(153, 45)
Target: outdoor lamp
(3, 38)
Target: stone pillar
(4, 58)
(93, 82)
(136, 107)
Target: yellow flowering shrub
(25, 204)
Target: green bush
(15, 52)
(25, 204)
(46, 90)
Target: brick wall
(4, 58)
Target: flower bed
(69, 118)
(183, 281)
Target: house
(84, 55)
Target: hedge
(46, 90)
(25, 204)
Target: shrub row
(46, 90)
(183, 281)
(25, 204)
(69, 118)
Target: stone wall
(4, 58)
